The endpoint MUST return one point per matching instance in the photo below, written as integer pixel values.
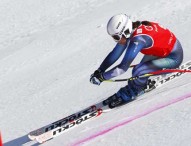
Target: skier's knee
(139, 69)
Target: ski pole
(166, 71)
(131, 78)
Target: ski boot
(114, 101)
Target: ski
(162, 79)
(33, 134)
(62, 129)
(61, 126)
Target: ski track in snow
(48, 49)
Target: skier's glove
(97, 77)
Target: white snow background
(48, 50)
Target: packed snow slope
(49, 48)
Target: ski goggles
(117, 37)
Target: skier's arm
(135, 46)
(112, 57)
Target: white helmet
(119, 25)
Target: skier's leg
(136, 87)
(129, 92)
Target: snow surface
(49, 48)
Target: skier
(160, 47)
